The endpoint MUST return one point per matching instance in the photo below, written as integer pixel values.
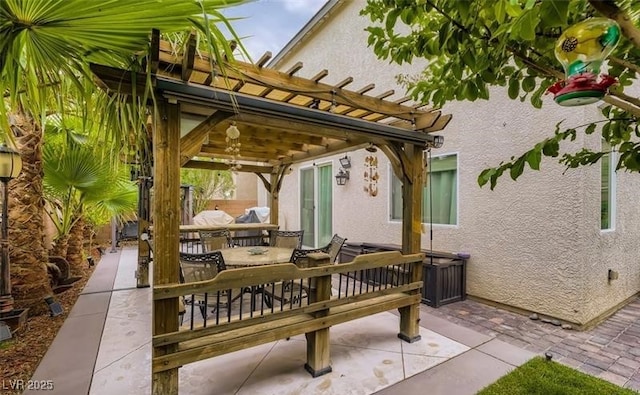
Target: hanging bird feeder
(581, 49)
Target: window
(444, 180)
(607, 188)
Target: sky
(268, 25)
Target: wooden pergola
(283, 119)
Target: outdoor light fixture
(436, 142)
(55, 308)
(345, 162)
(371, 148)
(342, 177)
(10, 167)
(5, 331)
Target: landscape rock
(534, 317)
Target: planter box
(15, 319)
(444, 274)
(445, 281)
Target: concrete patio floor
(104, 347)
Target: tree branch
(614, 101)
(625, 63)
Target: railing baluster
(203, 309)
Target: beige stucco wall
(535, 244)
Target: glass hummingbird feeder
(581, 49)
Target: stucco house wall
(535, 244)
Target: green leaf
(463, 8)
(626, 146)
(555, 12)
(495, 176)
(528, 84)
(525, 26)
(500, 10)
(408, 15)
(392, 17)
(514, 88)
(517, 168)
(456, 69)
(551, 148)
(513, 9)
(485, 176)
(468, 58)
(590, 129)
(533, 158)
(443, 34)
(470, 91)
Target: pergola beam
(246, 104)
(191, 142)
(208, 165)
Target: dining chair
(213, 240)
(286, 238)
(292, 291)
(334, 247)
(205, 266)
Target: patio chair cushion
(213, 240)
(286, 238)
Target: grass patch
(542, 377)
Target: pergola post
(318, 342)
(166, 208)
(412, 185)
(274, 204)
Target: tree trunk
(60, 246)
(75, 253)
(28, 255)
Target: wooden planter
(15, 319)
(444, 276)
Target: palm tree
(76, 179)
(45, 49)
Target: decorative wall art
(371, 175)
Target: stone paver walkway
(610, 351)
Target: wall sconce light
(345, 162)
(342, 177)
(371, 148)
(436, 141)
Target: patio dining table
(255, 256)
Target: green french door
(316, 204)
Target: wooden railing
(321, 306)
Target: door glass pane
(307, 206)
(325, 226)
